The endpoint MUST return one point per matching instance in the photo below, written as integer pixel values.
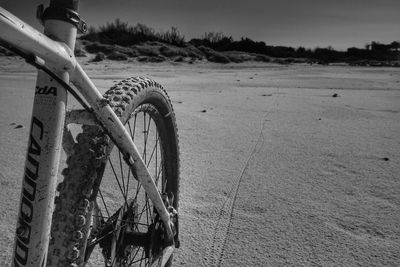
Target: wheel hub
(120, 235)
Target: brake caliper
(168, 202)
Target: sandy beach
(275, 171)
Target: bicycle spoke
(133, 139)
(143, 210)
(142, 257)
(144, 138)
(134, 256)
(127, 181)
(147, 209)
(122, 221)
(146, 131)
(139, 260)
(119, 184)
(104, 203)
(134, 128)
(156, 154)
(122, 173)
(152, 153)
(164, 181)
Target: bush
(214, 56)
(262, 58)
(142, 58)
(154, 59)
(172, 36)
(98, 47)
(169, 51)
(108, 49)
(213, 37)
(120, 33)
(147, 50)
(117, 56)
(79, 52)
(280, 61)
(237, 57)
(178, 59)
(6, 52)
(99, 57)
(219, 58)
(194, 52)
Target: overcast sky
(309, 23)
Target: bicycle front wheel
(102, 212)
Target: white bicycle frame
(49, 110)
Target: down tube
(40, 175)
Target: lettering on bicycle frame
(28, 194)
(46, 90)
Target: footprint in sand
(16, 126)
(357, 229)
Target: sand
(275, 171)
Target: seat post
(61, 22)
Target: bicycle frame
(49, 110)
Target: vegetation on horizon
(120, 33)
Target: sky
(309, 23)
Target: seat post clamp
(64, 14)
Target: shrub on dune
(99, 57)
(97, 47)
(214, 56)
(147, 49)
(117, 56)
(79, 51)
(171, 51)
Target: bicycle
(69, 223)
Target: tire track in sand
(215, 252)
